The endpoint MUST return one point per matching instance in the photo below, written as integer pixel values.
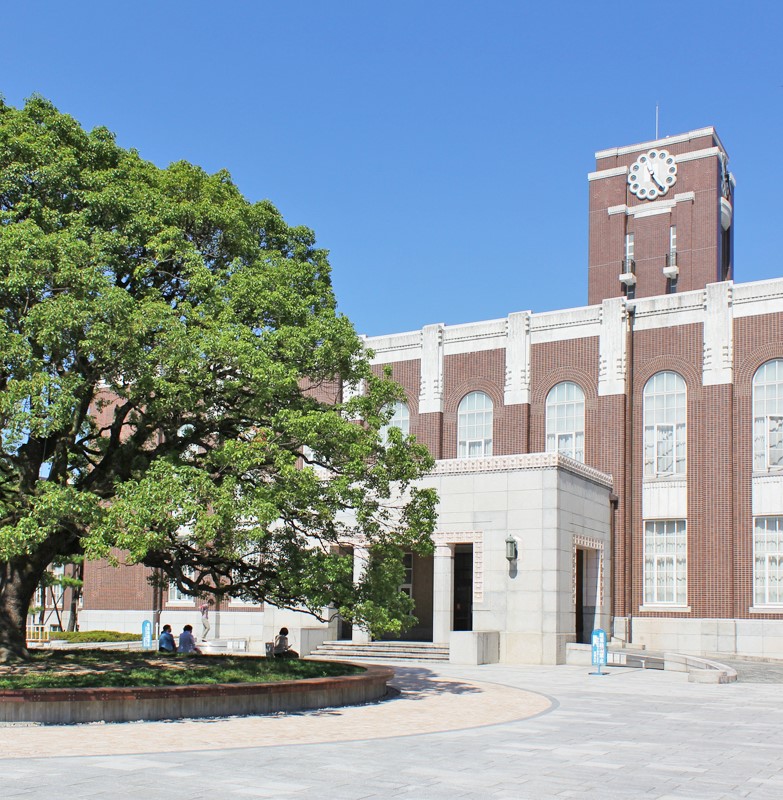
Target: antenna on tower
(656, 120)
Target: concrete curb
(58, 706)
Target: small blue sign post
(146, 635)
(599, 650)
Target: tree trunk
(19, 578)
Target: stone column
(360, 557)
(442, 593)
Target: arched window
(768, 416)
(565, 420)
(400, 418)
(474, 426)
(665, 416)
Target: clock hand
(653, 175)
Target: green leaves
(171, 384)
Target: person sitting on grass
(187, 644)
(282, 649)
(166, 643)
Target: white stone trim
(718, 345)
(517, 386)
(431, 388)
(395, 347)
(611, 347)
(666, 140)
(473, 337)
(607, 173)
(766, 494)
(589, 543)
(476, 538)
(669, 310)
(685, 197)
(571, 323)
(662, 607)
(664, 498)
(697, 154)
(523, 461)
(612, 210)
(758, 297)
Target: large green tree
(176, 385)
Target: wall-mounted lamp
(511, 548)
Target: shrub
(94, 636)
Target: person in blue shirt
(187, 644)
(166, 643)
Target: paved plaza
(452, 732)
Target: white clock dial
(652, 174)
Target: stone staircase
(378, 651)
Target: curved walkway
(630, 734)
(422, 703)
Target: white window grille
(768, 561)
(474, 426)
(768, 417)
(565, 420)
(665, 434)
(665, 562)
(400, 418)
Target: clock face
(652, 175)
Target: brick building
(616, 465)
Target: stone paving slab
(635, 735)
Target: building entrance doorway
(586, 600)
(463, 587)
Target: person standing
(205, 626)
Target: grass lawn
(105, 668)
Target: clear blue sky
(438, 149)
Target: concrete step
(419, 651)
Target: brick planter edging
(125, 704)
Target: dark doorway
(586, 594)
(581, 636)
(463, 587)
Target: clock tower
(661, 217)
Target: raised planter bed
(61, 706)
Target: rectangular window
(768, 561)
(407, 583)
(665, 562)
(178, 597)
(629, 247)
(673, 244)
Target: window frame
(762, 432)
(577, 433)
(469, 417)
(665, 554)
(655, 403)
(761, 589)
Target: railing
(629, 265)
(671, 259)
(37, 633)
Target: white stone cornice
(697, 154)
(758, 297)
(612, 210)
(685, 197)
(612, 172)
(523, 461)
(667, 140)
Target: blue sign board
(146, 635)
(598, 642)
